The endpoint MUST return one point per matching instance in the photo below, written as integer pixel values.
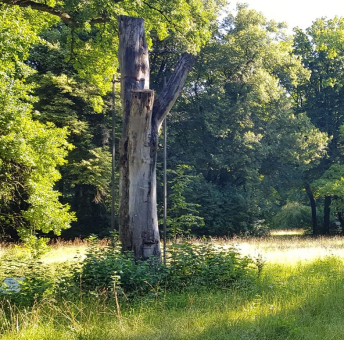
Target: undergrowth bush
(35, 280)
(205, 265)
(188, 266)
(107, 270)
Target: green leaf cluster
(237, 127)
(188, 266)
(30, 151)
(183, 216)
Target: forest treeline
(254, 142)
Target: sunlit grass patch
(299, 295)
(287, 232)
(59, 250)
(283, 246)
(5, 248)
(290, 249)
(64, 251)
(291, 302)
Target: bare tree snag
(134, 65)
(138, 221)
(143, 219)
(172, 89)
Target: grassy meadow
(299, 295)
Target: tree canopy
(30, 151)
(257, 132)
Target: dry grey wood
(143, 219)
(142, 119)
(134, 66)
(172, 89)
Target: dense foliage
(236, 127)
(253, 143)
(187, 266)
(66, 56)
(30, 151)
(106, 271)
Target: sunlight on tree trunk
(142, 119)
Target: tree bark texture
(172, 88)
(142, 118)
(134, 66)
(341, 220)
(327, 215)
(143, 218)
(313, 208)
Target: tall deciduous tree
(236, 126)
(321, 50)
(65, 99)
(29, 150)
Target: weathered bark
(143, 219)
(138, 145)
(341, 220)
(313, 208)
(172, 89)
(327, 213)
(134, 65)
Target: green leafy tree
(91, 29)
(183, 216)
(321, 50)
(241, 132)
(92, 44)
(331, 184)
(68, 101)
(29, 150)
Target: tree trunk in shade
(327, 215)
(313, 209)
(142, 119)
(341, 220)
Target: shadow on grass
(309, 305)
(288, 304)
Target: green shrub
(292, 215)
(38, 280)
(188, 265)
(207, 266)
(107, 268)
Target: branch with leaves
(42, 7)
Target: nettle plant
(188, 266)
(26, 280)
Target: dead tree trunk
(142, 119)
(133, 59)
(143, 219)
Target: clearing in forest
(299, 295)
